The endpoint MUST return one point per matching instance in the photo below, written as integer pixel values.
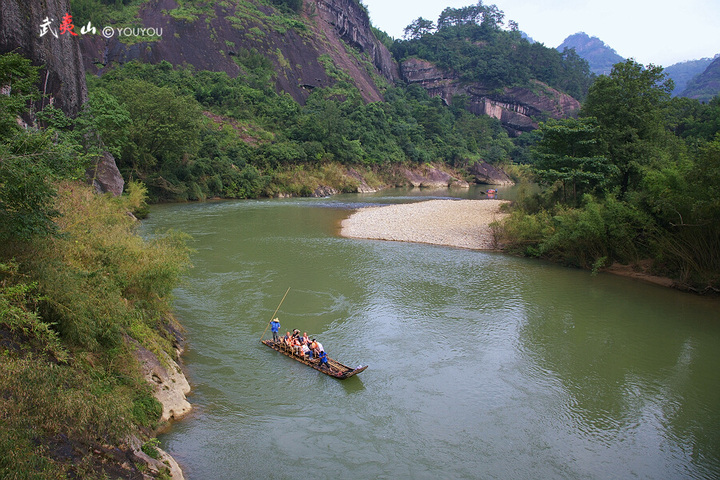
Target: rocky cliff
(518, 108)
(62, 77)
(216, 36)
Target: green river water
(481, 365)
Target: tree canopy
(629, 105)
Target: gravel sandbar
(454, 223)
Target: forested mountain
(682, 72)
(599, 56)
(468, 53)
(706, 85)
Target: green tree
(17, 81)
(418, 28)
(30, 161)
(629, 106)
(568, 157)
(110, 120)
(165, 126)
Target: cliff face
(62, 77)
(215, 37)
(352, 24)
(518, 108)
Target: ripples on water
(481, 365)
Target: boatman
(275, 327)
(323, 359)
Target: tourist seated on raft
(296, 347)
(306, 352)
(316, 347)
(287, 340)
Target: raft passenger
(287, 339)
(296, 346)
(317, 348)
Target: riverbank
(89, 346)
(453, 223)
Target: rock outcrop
(324, 191)
(489, 175)
(362, 185)
(351, 22)
(220, 37)
(105, 177)
(518, 108)
(168, 380)
(162, 465)
(432, 177)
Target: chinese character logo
(66, 26)
(46, 27)
(88, 29)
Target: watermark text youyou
(66, 27)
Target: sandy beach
(454, 223)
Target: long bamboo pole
(273, 315)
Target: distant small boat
(333, 368)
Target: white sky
(662, 32)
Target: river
(481, 365)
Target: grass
(70, 385)
(303, 180)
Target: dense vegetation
(636, 177)
(470, 42)
(190, 135)
(78, 289)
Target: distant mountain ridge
(706, 85)
(683, 72)
(599, 55)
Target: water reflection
(629, 376)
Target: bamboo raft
(334, 368)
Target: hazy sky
(661, 32)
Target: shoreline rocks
(169, 383)
(170, 387)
